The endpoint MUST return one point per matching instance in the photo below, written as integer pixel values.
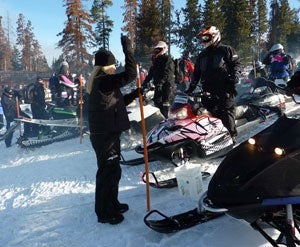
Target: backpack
(178, 74)
(28, 93)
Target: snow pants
(223, 107)
(108, 150)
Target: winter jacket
(187, 68)
(9, 106)
(107, 105)
(162, 74)
(279, 65)
(38, 95)
(218, 68)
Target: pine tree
(104, 24)
(16, 59)
(237, 27)
(148, 29)
(185, 30)
(5, 52)
(129, 20)
(77, 36)
(293, 39)
(259, 27)
(212, 15)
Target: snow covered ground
(47, 199)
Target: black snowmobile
(259, 182)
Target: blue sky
(48, 17)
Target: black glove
(137, 92)
(126, 44)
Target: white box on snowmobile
(189, 180)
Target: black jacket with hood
(218, 68)
(107, 105)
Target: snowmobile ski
(9, 131)
(180, 221)
(168, 183)
(68, 122)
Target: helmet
(186, 54)
(209, 36)
(8, 90)
(160, 48)
(258, 64)
(276, 47)
(64, 63)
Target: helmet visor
(206, 38)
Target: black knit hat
(104, 58)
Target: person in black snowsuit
(217, 68)
(9, 104)
(38, 104)
(162, 74)
(108, 118)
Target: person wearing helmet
(217, 68)
(62, 86)
(257, 71)
(162, 74)
(278, 62)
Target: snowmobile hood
(252, 173)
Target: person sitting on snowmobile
(62, 86)
(217, 68)
(279, 62)
(162, 73)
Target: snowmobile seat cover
(252, 173)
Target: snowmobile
(259, 182)
(63, 124)
(191, 132)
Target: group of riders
(216, 63)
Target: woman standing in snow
(107, 119)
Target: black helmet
(8, 90)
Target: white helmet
(209, 36)
(258, 64)
(276, 47)
(161, 48)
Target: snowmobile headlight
(251, 141)
(279, 151)
(181, 114)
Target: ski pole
(80, 107)
(138, 80)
